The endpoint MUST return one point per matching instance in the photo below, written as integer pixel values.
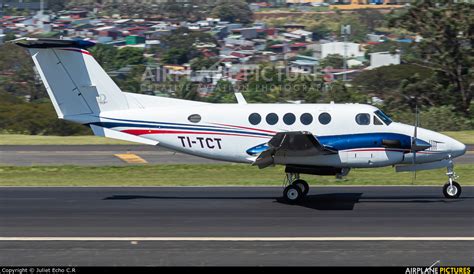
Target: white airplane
(318, 139)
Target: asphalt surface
(91, 155)
(235, 212)
(95, 155)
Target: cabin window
(324, 118)
(377, 121)
(194, 118)
(255, 118)
(363, 118)
(289, 118)
(306, 118)
(272, 118)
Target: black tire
(292, 194)
(452, 193)
(303, 185)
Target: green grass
(18, 139)
(466, 136)
(207, 175)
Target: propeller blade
(414, 143)
(417, 118)
(413, 162)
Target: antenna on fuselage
(240, 98)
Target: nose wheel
(451, 189)
(296, 189)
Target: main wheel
(452, 191)
(303, 185)
(292, 194)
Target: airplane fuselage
(238, 132)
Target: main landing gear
(451, 189)
(296, 189)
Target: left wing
(291, 144)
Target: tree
(128, 56)
(22, 80)
(233, 11)
(176, 56)
(338, 92)
(203, 63)
(186, 90)
(179, 46)
(372, 18)
(320, 30)
(105, 55)
(9, 36)
(333, 60)
(447, 28)
(222, 93)
(385, 81)
(56, 5)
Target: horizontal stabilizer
(45, 43)
(105, 132)
(426, 166)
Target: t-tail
(78, 86)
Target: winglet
(240, 98)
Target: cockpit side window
(383, 117)
(363, 119)
(377, 121)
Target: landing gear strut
(451, 189)
(296, 189)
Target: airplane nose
(458, 148)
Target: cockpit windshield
(383, 117)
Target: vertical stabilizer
(75, 82)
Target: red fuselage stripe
(139, 132)
(79, 50)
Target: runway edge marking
(237, 239)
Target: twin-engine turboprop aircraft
(319, 139)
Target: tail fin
(76, 83)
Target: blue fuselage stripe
(126, 125)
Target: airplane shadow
(132, 197)
(347, 201)
(332, 201)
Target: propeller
(414, 143)
(417, 144)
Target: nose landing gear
(451, 189)
(296, 189)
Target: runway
(91, 155)
(254, 213)
(104, 155)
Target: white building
(351, 49)
(380, 59)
